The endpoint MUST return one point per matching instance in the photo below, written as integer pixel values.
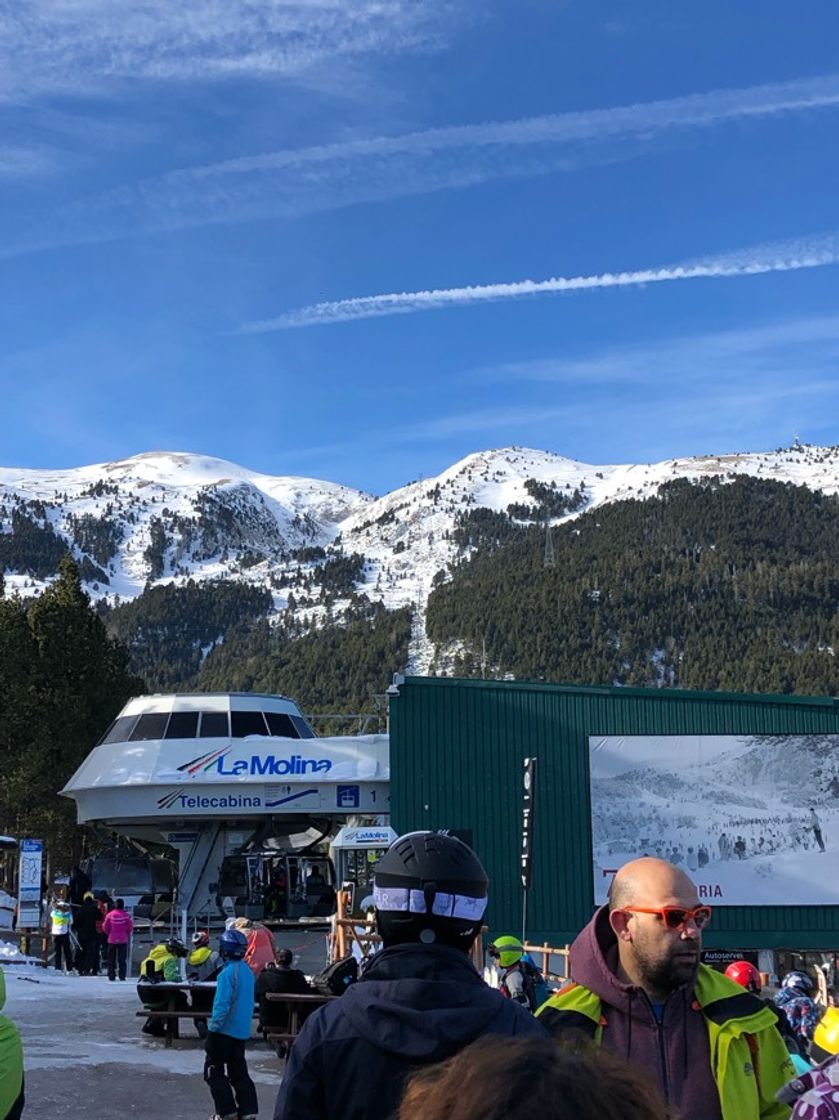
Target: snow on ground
(85, 1055)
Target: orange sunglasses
(675, 918)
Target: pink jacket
(118, 926)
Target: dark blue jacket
(414, 1005)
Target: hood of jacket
(420, 1001)
(594, 963)
(159, 954)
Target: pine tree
(76, 682)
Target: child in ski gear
(202, 965)
(11, 1064)
(117, 926)
(814, 1095)
(748, 977)
(61, 916)
(225, 1066)
(795, 1002)
(520, 979)
(161, 964)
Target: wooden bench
(171, 1020)
(294, 1004)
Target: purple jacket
(118, 925)
(677, 1054)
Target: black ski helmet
(430, 888)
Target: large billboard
(753, 819)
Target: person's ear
(619, 921)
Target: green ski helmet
(509, 950)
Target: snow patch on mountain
(173, 516)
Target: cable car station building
(266, 820)
(742, 791)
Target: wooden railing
(349, 932)
(552, 962)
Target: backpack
(535, 985)
(336, 977)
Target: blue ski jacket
(234, 1001)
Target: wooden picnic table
(294, 1004)
(171, 1014)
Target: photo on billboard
(753, 819)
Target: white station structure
(265, 818)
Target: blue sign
(348, 797)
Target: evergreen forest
(62, 680)
(729, 585)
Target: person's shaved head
(651, 882)
(650, 955)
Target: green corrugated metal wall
(456, 762)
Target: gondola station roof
(223, 755)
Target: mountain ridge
(170, 517)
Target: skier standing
(816, 826)
(229, 1028)
(61, 917)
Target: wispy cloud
(86, 46)
(25, 161)
(748, 387)
(290, 182)
(697, 110)
(781, 256)
(792, 347)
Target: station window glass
(280, 724)
(119, 730)
(303, 729)
(182, 725)
(152, 725)
(214, 725)
(247, 723)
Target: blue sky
(296, 235)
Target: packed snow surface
(85, 1056)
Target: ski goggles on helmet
(675, 918)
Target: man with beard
(639, 990)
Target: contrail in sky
(778, 256)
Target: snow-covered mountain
(170, 516)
